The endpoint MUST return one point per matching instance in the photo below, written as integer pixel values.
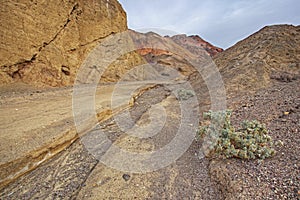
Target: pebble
(126, 177)
(258, 179)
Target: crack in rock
(16, 73)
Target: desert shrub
(184, 94)
(250, 141)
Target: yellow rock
(45, 42)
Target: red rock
(193, 43)
(155, 52)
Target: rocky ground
(76, 174)
(277, 177)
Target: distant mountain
(193, 43)
(163, 55)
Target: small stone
(286, 113)
(279, 143)
(126, 177)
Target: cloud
(221, 22)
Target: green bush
(184, 94)
(250, 141)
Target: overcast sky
(221, 22)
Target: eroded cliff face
(43, 43)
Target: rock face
(44, 42)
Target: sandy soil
(36, 124)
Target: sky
(220, 22)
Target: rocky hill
(44, 43)
(252, 62)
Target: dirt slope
(248, 65)
(278, 106)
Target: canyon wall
(43, 43)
